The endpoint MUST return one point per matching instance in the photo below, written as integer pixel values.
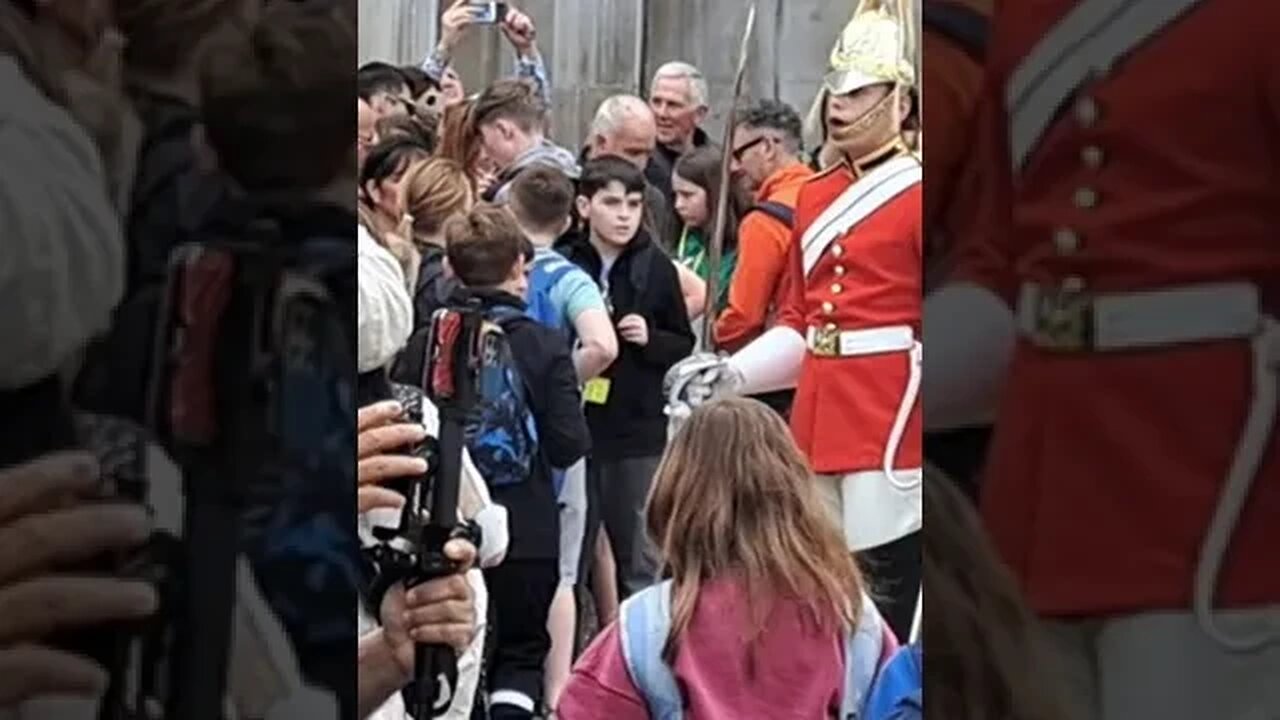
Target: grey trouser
(624, 487)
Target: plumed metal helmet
(874, 48)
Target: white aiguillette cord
(1253, 445)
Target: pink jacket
(798, 671)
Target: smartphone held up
(488, 13)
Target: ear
(702, 114)
(566, 225)
(584, 206)
(904, 102)
(517, 271)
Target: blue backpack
(548, 270)
(500, 433)
(898, 693)
(645, 622)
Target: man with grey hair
(678, 97)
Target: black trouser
(779, 401)
(520, 591)
(960, 454)
(624, 487)
(894, 571)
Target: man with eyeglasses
(767, 162)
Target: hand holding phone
(520, 31)
(454, 24)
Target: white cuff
(970, 334)
(494, 537)
(772, 362)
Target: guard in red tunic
(847, 335)
(1116, 309)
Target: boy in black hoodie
(488, 254)
(624, 406)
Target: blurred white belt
(825, 342)
(1074, 321)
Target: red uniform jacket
(869, 278)
(1105, 468)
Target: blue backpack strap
(643, 626)
(548, 270)
(863, 648)
(562, 267)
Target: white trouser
(871, 509)
(1162, 666)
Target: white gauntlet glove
(695, 380)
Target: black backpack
(966, 27)
(253, 394)
(171, 195)
(431, 293)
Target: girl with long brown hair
(763, 591)
(696, 183)
(460, 142)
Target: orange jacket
(763, 244)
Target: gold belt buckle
(1064, 321)
(826, 342)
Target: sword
(716, 245)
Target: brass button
(837, 288)
(837, 251)
(1086, 198)
(839, 271)
(828, 308)
(1087, 112)
(1092, 156)
(1066, 241)
(1073, 284)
